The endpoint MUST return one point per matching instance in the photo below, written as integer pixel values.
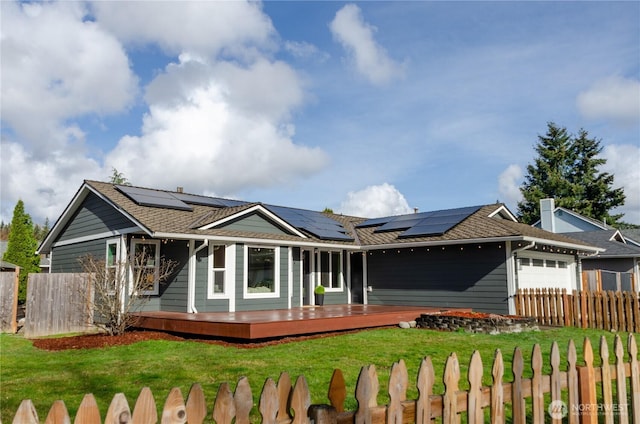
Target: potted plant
(318, 294)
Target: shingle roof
(479, 225)
(604, 239)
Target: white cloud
(623, 163)
(357, 37)
(207, 28)
(375, 201)
(223, 130)
(615, 98)
(509, 183)
(57, 67)
(44, 185)
(304, 50)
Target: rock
(413, 324)
(404, 324)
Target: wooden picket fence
(608, 310)
(581, 394)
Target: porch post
(348, 279)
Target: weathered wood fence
(608, 310)
(9, 301)
(54, 304)
(583, 393)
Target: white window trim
(156, 284)
(276, 272)
(117, 259)
(210, 279)
(340, 287)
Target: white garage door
(543, 271)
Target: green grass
(43, 377)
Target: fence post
(587, 379)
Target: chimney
(547, 218)
(179, 189)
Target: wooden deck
(254, 325)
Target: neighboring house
(238, 256)
(44, 259)
(618, 263)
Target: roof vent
(179, 189)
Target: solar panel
(374, 222)
(428, 230)
(194, 199)
(154, 198)
(439, 222)
(398, 224)
(313, 222)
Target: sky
(368, 108)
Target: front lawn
(45, 376)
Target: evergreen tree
(21, 248)
(118, 178)
(596, 196)
(566, 169)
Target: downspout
(191, 295)
(514, 275)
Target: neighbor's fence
(55, 304)
(608, 310)
(600, 279)
(581, 394)
(9, 301)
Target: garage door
(543, 271)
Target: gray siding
(94, 217)
(458, 276)
(296, 276)
(267, 303)
(254, 223)
(67, 258)
(608, 264)
(339, 298)
(173, 293)
(202, 280)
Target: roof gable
(256, 219)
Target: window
(331, 270)
(562, 264)
(523, 262)
(112, 262)
(262, 272)
(146, 265)
(538, 262)
(217, 286)
(551, 264)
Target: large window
(146, 265)
(262, 272)
(217, 259)
(330, 265)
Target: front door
(357, 279)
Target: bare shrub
(117, 291)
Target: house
(241, 256)
(617, 266)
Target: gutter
(191, 297)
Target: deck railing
(582, 391)
(608, 310)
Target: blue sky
(369, 108)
